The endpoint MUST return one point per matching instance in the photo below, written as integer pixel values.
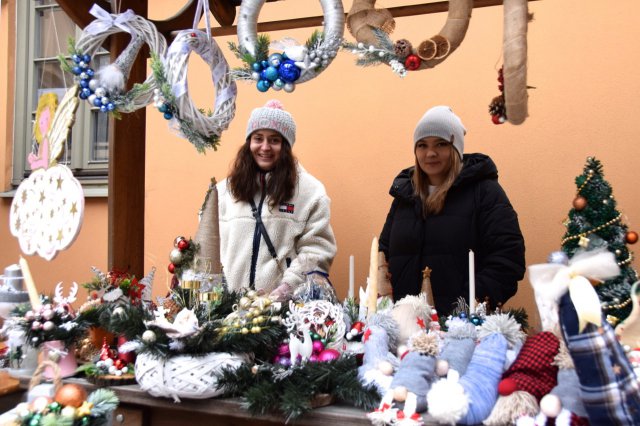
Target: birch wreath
(105, 88)
(297, 63)
(371, 28)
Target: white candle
(372, 287)
(34, 297)
(351, 277)
(472, 282)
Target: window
(43, 31)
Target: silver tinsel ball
(175, 256)
(149, 336)
(558, 257)
(100, 92)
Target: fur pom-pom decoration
(504, 324)
(507, 410)
(447, 401)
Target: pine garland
(291, 391)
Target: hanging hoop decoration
(105, 88)
(297, 63)
(516, 17)
(173, 100)
(371, 28)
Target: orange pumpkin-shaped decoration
(71, 395)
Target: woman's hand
(282, 293)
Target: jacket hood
(476, 167)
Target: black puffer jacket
(477, 215)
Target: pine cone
(403, 48)
(497, 107)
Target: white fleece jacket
(299, 229)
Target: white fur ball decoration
(447, 401)
(550, 405)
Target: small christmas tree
(594, 222)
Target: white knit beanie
(440, 121)
(273, 116)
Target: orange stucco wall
(355, 127)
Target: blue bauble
(558, 257)
(256, 66)
(263, 85)
(284, 56)
(463, 315)
(164, 108)
(90, 72)
(84, 83)
(83, 95)
(275, 59)
(264, 64)
(76, 70)
(110, 106)
(168, 116)
(270, 73)
(86, 58)
(86, 92)
(475, 320)
(103, 108)
(75, 58)
(97, 101)
(278, 83)
(288, 71)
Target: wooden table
(139, 408)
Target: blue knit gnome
(459, 344)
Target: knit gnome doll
(470, 399)
(459, 343)
(377, 362)
(529, 378)
(610, 391)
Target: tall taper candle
(372, 284)
(472, 282)
(351, 277)
(34, 297)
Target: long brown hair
(244, 184)
(434, 203)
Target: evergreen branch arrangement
(291, 391)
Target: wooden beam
(127, 168)
(316, 21)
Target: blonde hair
(47, 100)
(434, 203)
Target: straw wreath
(105, 88)
(297, 63)
(172, 98)
(371, 28)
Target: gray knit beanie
(440, 121)
(273, 116)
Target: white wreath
(104, 87)
(300, 63)
(202, 130)
(371, 28)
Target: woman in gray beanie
(274, 216)
(444, 206)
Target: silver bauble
(289, 87)
(93, 84)
(175, 256)
(558, 257)
(149, 336)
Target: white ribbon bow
(552, 280)
(105, 20)
(55, 352)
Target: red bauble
(579, 203)
(358, 326)
(412, 62)
(495, 119)
(183, 244)
(632, 237)
(507, 386)
(118, 363)
(172, 268)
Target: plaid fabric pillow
(608, 385)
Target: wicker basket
(184, 376)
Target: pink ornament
(283, 349)
(328, 355)
(313, 358)
(317, 347)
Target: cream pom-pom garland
(297, 63)
(105, 88)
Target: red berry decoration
(632, 237)
(412, 62)
(183, 245)
(172, 268)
